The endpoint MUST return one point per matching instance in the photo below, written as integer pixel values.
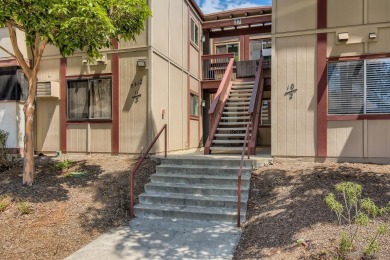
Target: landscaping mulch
(68, 208)
(286, 203)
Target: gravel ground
(286, 203)
(67, 211)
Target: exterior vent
(48, 89)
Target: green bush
(5, 201)
(64, 165)
(356, 212)
(3, 148)
(23, 208)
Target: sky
(212, 6)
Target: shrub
(4, 202)
(3, 148)
(23, 208)
(355, 212)
(64, 165)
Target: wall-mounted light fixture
(343, 36)
(203, 103)
(203, 38)
(142, 63)
(372, 36)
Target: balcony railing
(214, 66)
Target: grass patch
(5, 201)
(75, 174)
(24, 208)
(64, 165)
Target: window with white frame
(194, 105)
(89, 99)
(194, 32)
(359, 87)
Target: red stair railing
(240, 174)
(255, 105)
(218, 104)
(164, 128)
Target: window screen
(378, 86)
(346, 87)
(194, 99)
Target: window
(89, 99)
(359, 87)
(229, 48)
(194, 32)
(194, 105)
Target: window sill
(358, 117)
(196, 118)
(194, 45)
(89, 121)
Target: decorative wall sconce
(343, 37)
(372, 36)
(203, 38)
(291, 90)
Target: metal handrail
(164, 128)
(246, 140)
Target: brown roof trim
(197, 9)
(239, 11)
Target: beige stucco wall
(133, 115)
(294, 120)
(294, 45)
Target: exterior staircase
(230, 135)
(196, 189)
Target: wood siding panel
(49, 70)
(185, 36)
(345, 12)
(133, 115)
(293, 125)
(75, 67)
(378, 11)
(77, 139)
(176, 88)
(160, 20)
(101, 138)
(159, 98)
(140, 40)
(345, 138)
(194, 129)
(194, 85)
(295, 15)
(48, 125)
(342, 50)
(184, 108)
(194, 61)
(176, 45)
(378, 136)
(382, 45)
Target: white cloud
(212, 6)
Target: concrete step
(240, 83)
(231, 107)
(230, 135)
(203, 169)
(191, 189)
(232, 123)
(198, 179)
(241, 91)
(235, 113)
(234, 117)
(194, 213)
(228, 141)
(192, 201)
(236, 99)
(203, 161)
(236, 103)
(226, 148)
(231, 129)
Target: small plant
(3, 148)
(23, 208)
(64, 165)
(355, 212)
(4, 202)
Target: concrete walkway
(164, 239)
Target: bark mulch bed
(286, 203)
(69, 208)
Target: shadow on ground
(286, 200)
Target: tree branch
(7, 51)
(39, 50)
(18, 54)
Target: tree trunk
(29, 110)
